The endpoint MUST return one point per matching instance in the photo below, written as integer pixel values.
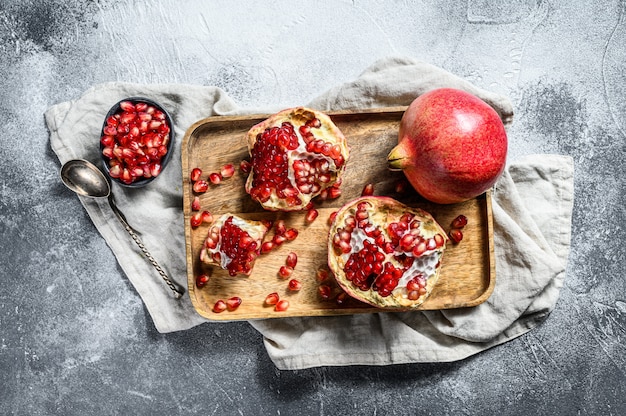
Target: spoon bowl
(84, 178)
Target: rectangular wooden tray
(468, 270)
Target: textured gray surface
(75, 338)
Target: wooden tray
(468, 271)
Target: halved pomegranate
(385, 253)
(295, 155)
(233, 243)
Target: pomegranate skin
(452, 146)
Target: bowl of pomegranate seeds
(136, 141)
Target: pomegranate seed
(195, 205)
(341, 298)
(311, 215)
(278, 239)
(439, 240)
(413, 295)
(459, 222)
(324, 291)
(195, 174)
(202, 280)
(285, 272)
(368, 190)
(220, 306)
(321, 275)
(292, 260)
(419, 249)
(207, 217)
(282, 305)
(291, 234)
(215, 178)
(267, 246)
(245, 166)
(456, 235)
(196, 220)
(271, 299)
(227, 170)
(127, 106)
(280, 227)
(332, 216)
(294, 285)
(200, 186)
(334, 192)
(233, 303)
(115, 171)
(401, 186)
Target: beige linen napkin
(532, 214)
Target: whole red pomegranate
(295, 155)
(385, 253)
(452, 146)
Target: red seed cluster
(237, 245)
(135, 141)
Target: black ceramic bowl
(138, 143)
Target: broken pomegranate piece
(135, 141)
(385, 253)
(233, 243)
(295, 155)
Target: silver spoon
(84, 178)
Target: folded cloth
(532, 205)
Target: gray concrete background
(65, 352)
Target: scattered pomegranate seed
(311, 215)
(459, 222)
(233, 303)
(272, 299)
(195, 205)
(215, 178)
(324, 291)
(282, 305)
(200, 186)
(401, 186)
(207, 217)
(267, 246)
(294, 285)
(341, 298)
(292, 260)
(291, 234)
(280, 227)
(368, 190)
(456, 235)
(202, 280)
(220, 306)
(196, 220)
(195, 174)
(285, 272)
(321, 275)
(332, 216)
(245, 166)
(278, 239)
(228, 170)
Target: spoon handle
(178, 293)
